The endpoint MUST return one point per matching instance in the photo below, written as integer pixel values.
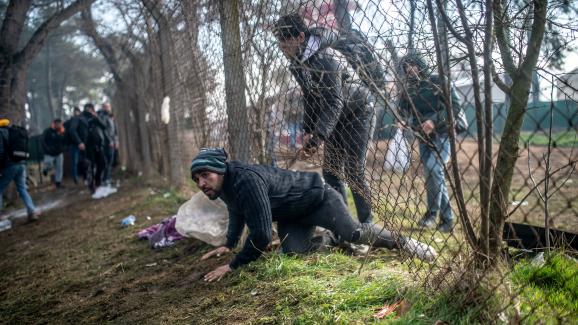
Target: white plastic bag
(203, 219)
(397, 156)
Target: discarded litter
(522, 203)
(166, 195)
(5, 224)
(128, 221)
(401, 307)
(148, 218)
(539, 260)
(151, 264)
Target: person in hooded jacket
(53, 142)
(337, 113)
(422, 106)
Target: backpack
(95, 135)
(358, 52)
(18, 144)
(4, 153)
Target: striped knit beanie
(211, 159)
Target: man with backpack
(338, 109)
(13, 156)
(53, 145)
(87, 133)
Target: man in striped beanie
(211, 165)
(257, 196)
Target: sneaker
(418, 249)
(111, 190)
(34, 216)
(100, 193)
(427, 221)
(446, 227)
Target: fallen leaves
(401, 307)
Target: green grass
(559, 139)
(548, 291)
(327, 289)
(81, 267)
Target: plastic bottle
(128, 221)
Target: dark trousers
(345, 151)
(109, 152)
(332, 214)
(97, 166)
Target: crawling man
(257, 195)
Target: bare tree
(15, 59)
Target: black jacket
(110, 132)
(320, 80)
(258, 195)
(3, 148)
(52, 142)
(78, 128)
(426, 97)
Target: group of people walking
(91, 138)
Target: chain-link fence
(361, 95)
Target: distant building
(567, 86)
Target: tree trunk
(237, 119)
(519, 91)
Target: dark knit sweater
(258, 195)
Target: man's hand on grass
(217, 251)
(217, 273)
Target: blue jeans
(16, 172)
(292, 135)
(438, 199)
(74, 154)
(56, 162)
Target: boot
(34, 216)
(418, 249)
(428, 221)
(446, 227)
(370, 234)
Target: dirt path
(78, 266)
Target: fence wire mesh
(238, 85)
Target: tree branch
(103, 45)
(503, 39)
(36, 42)
(12, 26)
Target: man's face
(209, 182)
(106, 107)
(57, 125)
(76, 113)
(290, 45)
(412, 70)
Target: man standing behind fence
(110, 140)
(344, 125)
(53, 146)
(421, 104)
